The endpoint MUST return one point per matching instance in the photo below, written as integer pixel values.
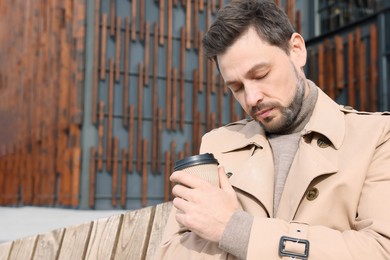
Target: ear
(298, 50)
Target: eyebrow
(250, 72)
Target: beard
(289, 113)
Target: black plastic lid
(205, 158)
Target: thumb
(223, 180)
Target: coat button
(323, 143)
(312, 193)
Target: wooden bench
(133, 235)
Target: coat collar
(325, 117)
(327, 120)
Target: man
(310, 179)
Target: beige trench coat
(337, 192)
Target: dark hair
(270, 22)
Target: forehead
(247, 51)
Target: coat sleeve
(179, 243)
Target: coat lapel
(248, 156)
(256, 177)
(308, 164)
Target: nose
(253, 94)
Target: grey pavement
(19, 222)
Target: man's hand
(202, 207)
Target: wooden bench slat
(23, 248)
(48, 245)
(5, 249)
(133, 237)
(159, 222)
(103, 237)
(75, 242)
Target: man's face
(264, 80)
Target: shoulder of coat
(349, 109)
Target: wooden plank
(373, 105)
(103, 46)
(118, 48)
(49, 245)
(351, 70)
(123, 178)
(147, 53)
(5, 250)
(23, 248)
(114, 173)
(196, 24)
(160, 220)
(144, 172)
(126, 60)
(100, 136)
(103, 237)
(208, 14)
(168, 91)
(161, 21)
(92, 177)
(188, 24)
(134, 234)
(141, 20)
(76, 167)
(321, 71)
(298, 21)
(201, 5)
(112, 17)
(290, 10)
(155, 100)
(133, 20)
(139, 117)
(96, 63)
(339, 46)
(76, 239)
(131, 139)
(110, 116)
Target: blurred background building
(98, 98)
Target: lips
(264, 113)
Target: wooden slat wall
(133, 235)
(152, 88)
(42, 57)
(348, 63)
(155, 83)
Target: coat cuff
(235, 237)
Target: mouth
(264, 113)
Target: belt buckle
(283, 252)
